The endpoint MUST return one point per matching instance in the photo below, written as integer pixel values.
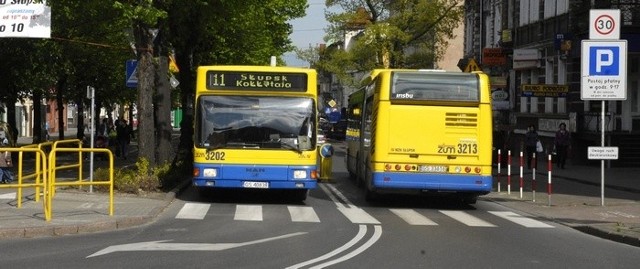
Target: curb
(609, 235)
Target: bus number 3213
(461, 149)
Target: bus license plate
(255, 184)
(433, 169)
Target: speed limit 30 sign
(604, 24)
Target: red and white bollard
(533, 177)
(509, 172)
(499, 164)
(549, 166)
(521, 172)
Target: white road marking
(8, 196)
(377, 233)
(362, 230)
(358, 216)
(524, 221)
(412, 217)
(193, 211)
(466, 218)
(248, 212)
(303, 214)
(162, 246)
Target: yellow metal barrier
(40, 174)
(52, 179)
(78, 165)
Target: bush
(141, 179)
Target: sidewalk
(576, 198)
(79, 211)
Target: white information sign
(604, 70)
(602, 153)
(26, 19)
(604, 24)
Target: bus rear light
(467, 169)
(314, 174)
(196, 172)
(478, 170)
(458, 169)
(387, 167)
(398, 167)
(407, 167)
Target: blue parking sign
(604, 70)
(604, 61)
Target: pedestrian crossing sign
(472, 66)
(132, 74)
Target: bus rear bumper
(251, 184)
(434, 182)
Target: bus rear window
(457, 87)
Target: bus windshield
(457, 87)
(256, 122)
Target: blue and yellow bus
(255, 127)
(421, 131)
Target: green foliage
(142, 179)
(395, 34)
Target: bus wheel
(299, 195)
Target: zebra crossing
(307, 214)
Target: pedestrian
(562, 144)
(46, 130)
(530, 143)
(123, 136)
(6, 175)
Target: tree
(398, 34)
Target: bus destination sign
(256, 81)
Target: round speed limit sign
(605, 24)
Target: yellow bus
(421, 131)
(255, 127)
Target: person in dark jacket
(562, 143)
(530, 142)
(123, 135)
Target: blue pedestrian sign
(604, 70)
(131, 80)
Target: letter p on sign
(605, 61)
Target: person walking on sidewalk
(562, 144)
(530, 143)
(6, 175)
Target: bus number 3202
(215, 155)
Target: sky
(308, 30)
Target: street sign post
(604, 74)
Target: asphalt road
(333, 228)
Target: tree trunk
(146, 75)
(163, 111)
(60, 105)
(187, 85)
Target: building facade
(532, 50)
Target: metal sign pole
(91, 94)
(602, 161)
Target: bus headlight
(210, 172)
(299, 174)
